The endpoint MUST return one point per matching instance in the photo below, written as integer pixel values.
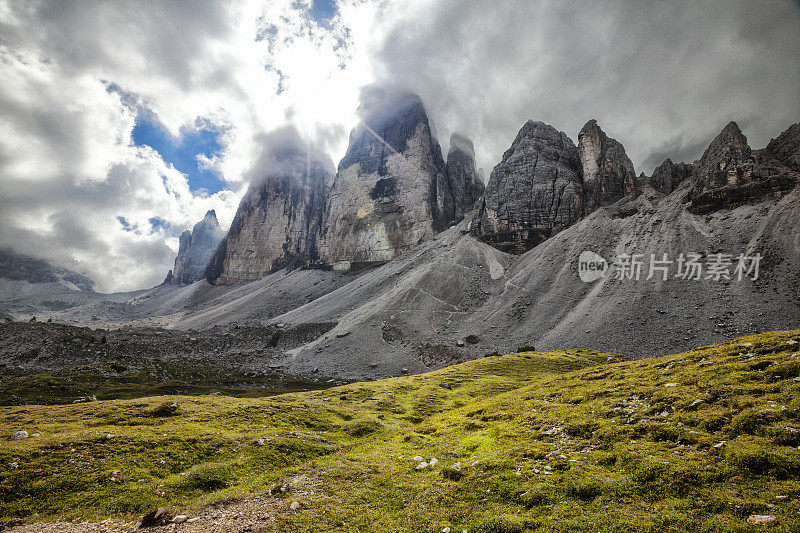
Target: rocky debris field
(56, 363)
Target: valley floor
(532, 441)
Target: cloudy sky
(121, 123)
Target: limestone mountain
(668, 176)
(540, 187)
(730, 173)
(278, 220)
(536, 190)
(462, 177)
(608, 173)
(19, 267)
(785, 149)
(391, 190)
(195, 250)
(453, 297)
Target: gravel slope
(454, 298)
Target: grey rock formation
(608, 173)
(464, 181)
(731, 174)
(785, 150)
(728, 161)
(391, 191)
(195, 250)
(534, 192)
(18, 267)
(278, 220)
(453, 298)
(668, 176)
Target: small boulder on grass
(762, 520)
(159, 517)
(165, 409)
(19, 435)
(453, 472)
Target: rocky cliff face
(465, 183)
(731, 174)
(544, 184)
(391, 190)
(608, 173)
(785, 150)
(278, 220)
(195, 250)
(535, 190)
(668, 176)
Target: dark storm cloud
(656, 75)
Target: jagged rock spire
(391, 190)
(534, 191)
(195, 250)
(608, 173)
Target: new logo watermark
(686, 266)
(591, 266)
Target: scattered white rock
(670, 384)
(110, 436)
(19, 435)
(418, 459)
(720, 444)
(696, 403)
(446, 530)
(548, 468)
(762, 520)
(433, 461)
(180, 519)
(791, 341)
(422, 465)
(294, 506)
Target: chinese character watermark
(718, 267)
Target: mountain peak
(731, 174)
(195, 250)
(211, 216)
(590, 125)
(608, 173)
(461, 142)
(533, 192)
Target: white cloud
(662, 78)
(74, 74)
